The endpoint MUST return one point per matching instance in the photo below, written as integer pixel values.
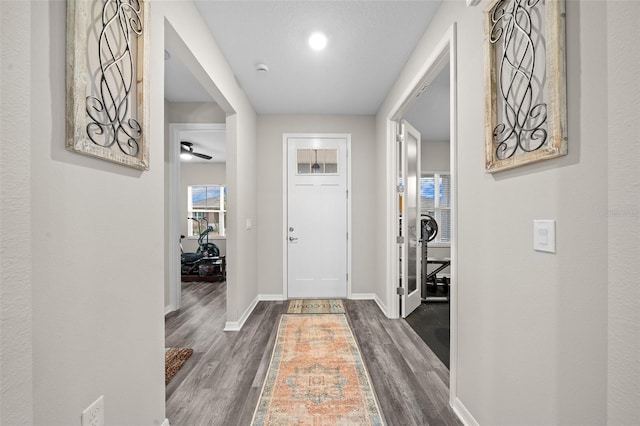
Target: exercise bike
(432, 285)
(206, 261)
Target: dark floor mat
(431, 322)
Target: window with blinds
(435, 200)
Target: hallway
(220, 384)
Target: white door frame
(175, 136)
(285, 203)
(445, 51)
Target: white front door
(410, 214)
(317, 217)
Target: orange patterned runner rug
(316, 376)
(316, 306)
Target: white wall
(97, 255)
(82, 311)
(195, 112)
(16, 305)
(623, 215)
(270, 194)
(532, 327)
(199, 174)
(435, 156)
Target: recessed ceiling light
(318, 41)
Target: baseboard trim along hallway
(237, 325)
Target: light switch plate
(544, 235)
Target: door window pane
(317, 161)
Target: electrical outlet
(94, 414)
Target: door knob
(293, 239)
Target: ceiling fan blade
(205, 156)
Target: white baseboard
(168, 309)
(271, 297)
(370, 296)
(165, 423)
(381, 305)
(363, 296)
(237, 325)
(463, 414)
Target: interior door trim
(285, 203)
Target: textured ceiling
(429, 114)
(369, 43)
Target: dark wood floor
(220, 384)
(431, 322)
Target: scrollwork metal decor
(526, 100)
(105, 85)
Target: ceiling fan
(186, 150)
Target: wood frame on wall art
(526, 112)
(106, 113)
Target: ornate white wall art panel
(105, 67)
(526, 90)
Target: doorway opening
(200, 115)
(423, 261)
(197, 190)
(431, 117)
